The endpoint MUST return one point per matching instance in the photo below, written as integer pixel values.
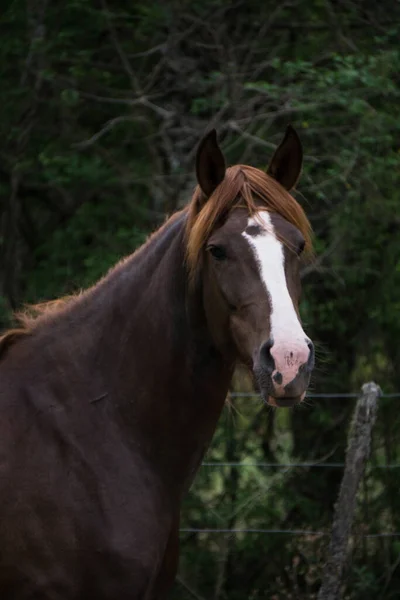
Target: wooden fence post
(358, 448)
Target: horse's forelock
(203, 216)
(248, 183)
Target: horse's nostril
(277, 377)
(311, 356)
(266, 359)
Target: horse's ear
(210, 163)
(286, 163)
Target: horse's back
(81, 513)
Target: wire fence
(311, 395)
(304, 465)
(301, 532)
(299, 465)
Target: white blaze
(268, 251)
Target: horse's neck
(168, 378)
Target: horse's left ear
(210, 163)
(286, 163)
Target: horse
(110, 398)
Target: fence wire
(304, 465)
(311, 395)
(283, 531)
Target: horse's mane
(242, 186)
(27, 318)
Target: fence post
(358, 448)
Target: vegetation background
(102, 106)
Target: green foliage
(93, 241)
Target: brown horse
(110, 398)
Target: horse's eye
(218, 252)
(301, 247)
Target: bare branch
(109, 125)
(124, 59)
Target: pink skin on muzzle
(288, 359)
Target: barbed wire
(235, 531)
(304, 465)
(282, 531)
(311, 395)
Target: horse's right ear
(285, 165)
(210, 164)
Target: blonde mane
(242, 186)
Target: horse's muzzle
(282, 371)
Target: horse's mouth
(284, 402)
(286, 397)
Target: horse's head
(245, 235)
